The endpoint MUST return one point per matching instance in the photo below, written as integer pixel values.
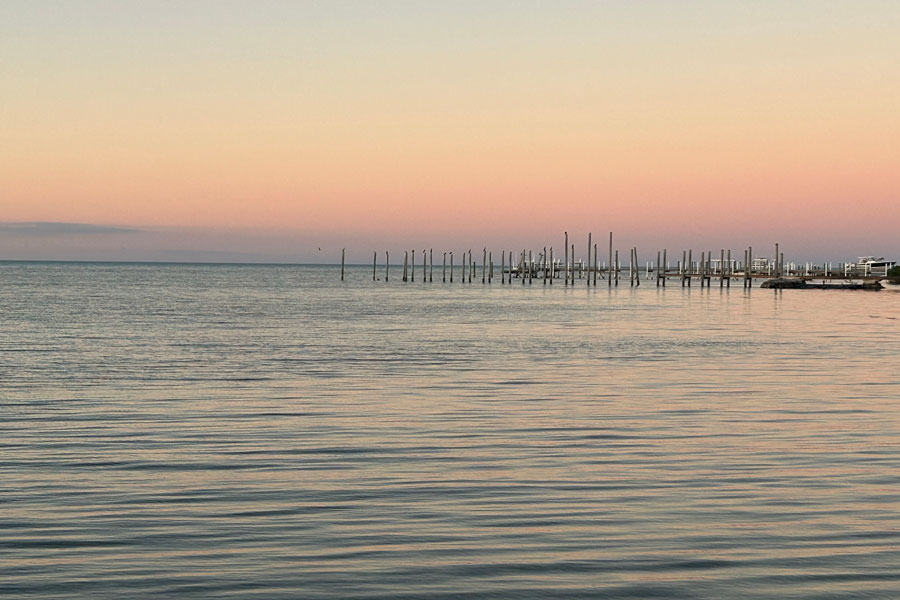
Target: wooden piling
(503, 267)
(567, 258)
(658, 256)
(703, 264)
(637, 273)
(484, 266)
(544, 264)
(608, 269)
(444, 269)
(522, 273)
(722, 269)
(431, 260)
(451, 267)
(690, 266)
(776, 273)
(707, 266)
(748, 269)
(374, 263)
(405, 259)
(665, 267)
(631, 266)
(552, 266)
(530, 270)
(412, 274)
(595, 265)
(342, 264)
(573, 264)
(589, 260)
(387, 265)
(730, 269)
(746, 274)
(616, 268)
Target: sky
(283, 131)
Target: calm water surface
(191, 431)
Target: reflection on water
(248, 431)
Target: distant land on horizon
(91, 242)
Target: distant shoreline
(170, 262)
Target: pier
(580, 266)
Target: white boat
(870, 262)
(869, 266)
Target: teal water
(216, 431)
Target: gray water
(214, 431)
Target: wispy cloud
(41, 228)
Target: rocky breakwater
(784, 283)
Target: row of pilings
(526, 266)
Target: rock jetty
(784, 283)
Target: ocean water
(216, 431)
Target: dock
(580, 266)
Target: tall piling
(690, 267)
(775, 260)
(573, 264)
(658, 256)
(637, 270)
(665, 267)
(522, 273)
(544, 264)
(748, 266)
(730, 269)
(552, 266)
(702, 268)
(609, 267)
(530, 269)
(722, 269)
(589, 260)
(616, 268)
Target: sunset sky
(268, 130)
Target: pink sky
(275, 129)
